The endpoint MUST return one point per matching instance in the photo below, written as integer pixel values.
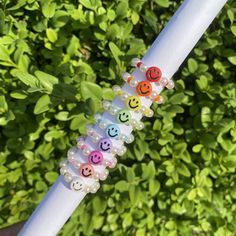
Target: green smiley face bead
(123, 116)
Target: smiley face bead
(153, 74)
(105, 145)
(86, 170)
(144, 88)
(112, 131)
(95, 158)
(123, 116)
(77, 184)
(133, 103)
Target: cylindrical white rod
(167, 52)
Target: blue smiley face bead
(112, 131)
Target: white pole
(167, 52)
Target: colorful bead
(144, 88)
(133, 103)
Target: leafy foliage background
(58, 59)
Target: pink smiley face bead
(95, 158)
(86, 170)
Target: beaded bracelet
(77, 183)
(104, 145)
(153, 74)
(112, 131)
(87, 170)
(94, 157)
(144, 88)
(123, 116)
(132, 102)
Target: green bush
(59, 59)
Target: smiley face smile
(133, 102)
(123, 116)
(123, 121)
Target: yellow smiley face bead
(133, 103)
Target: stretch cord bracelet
(144, 88)
(113, 131)
(123, 116)
(153, 74)
(104, 145)
(76, 182)
(133, 103)
(95, 157)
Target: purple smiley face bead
(105, 145)
(95, 157)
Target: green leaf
(192, 65)
(51, 176)
(116, 52)
(43, 104)
(4, 53)
(48, 9)
(122, 186)
(90, 90)
(46, 80)
(51, 34)
(18, 94)
(162, 3)
(183, 170)
(232, 60)
(26, 78)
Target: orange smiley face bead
(144, 88)
(153, 74)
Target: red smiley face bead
(144, 88)
(153, 74)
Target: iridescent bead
(124, 96)
(116, 89)
(130, 139)
(113, 110)
(63, 170)
(68, 177)
(170, 84)
(163, 82)
(106, 104)
(140, 126)
(125, 76)
(143, 67)
(63, 163)
(133, 83)
(135, 61)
